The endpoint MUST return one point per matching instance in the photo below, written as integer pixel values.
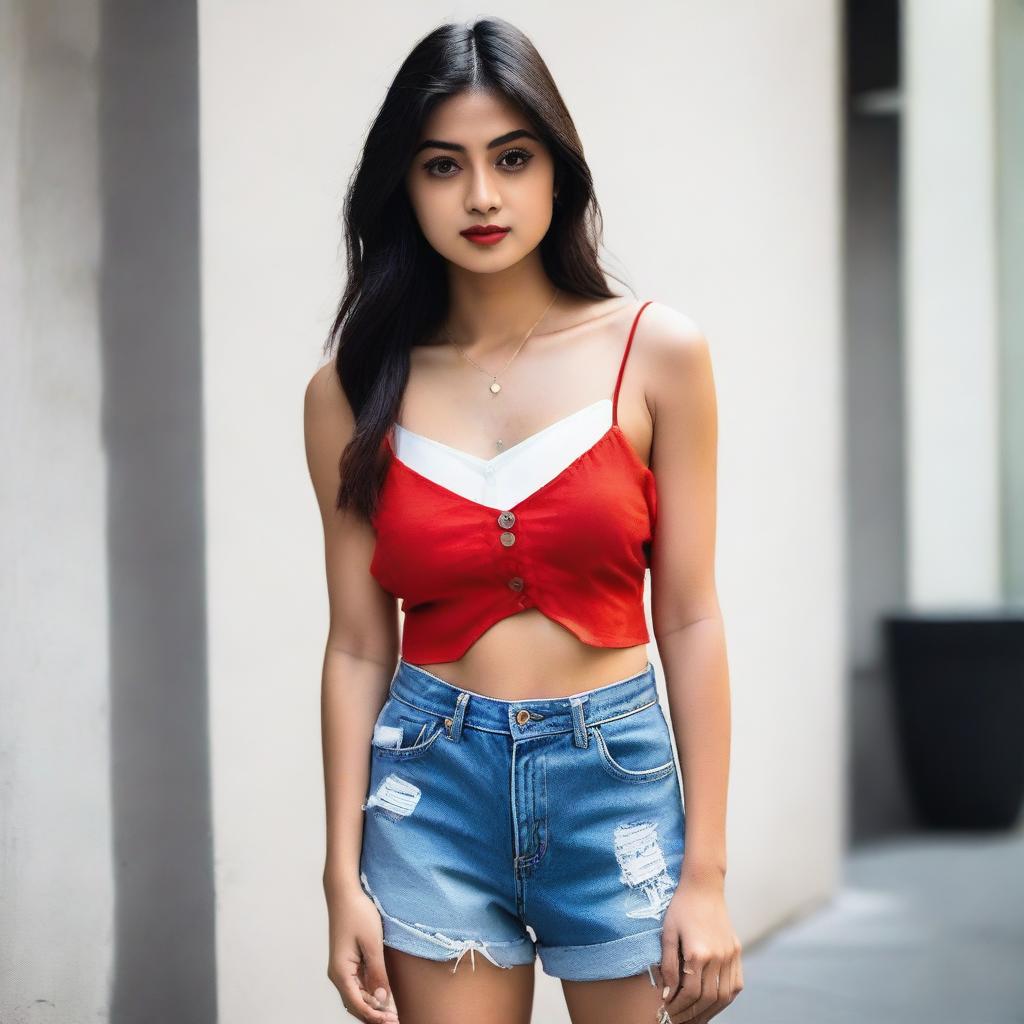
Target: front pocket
(636, 747)
(402, 731)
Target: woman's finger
(689, 990)
(354, 998)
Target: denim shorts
(524, 828)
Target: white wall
(951, 325)
(56, 871)
(723, 120)
(1009, 49)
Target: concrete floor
(928, 927)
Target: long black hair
(396, 293)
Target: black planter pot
(958, 688)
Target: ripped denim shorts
(523, 828)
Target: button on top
(507, 520)
(522, 717)
(516, 583)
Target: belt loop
(454, 724)
(579, 723)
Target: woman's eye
(440, 167)
(518, 153)
(433, 165)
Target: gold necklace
(494, 387)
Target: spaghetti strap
(622, 365)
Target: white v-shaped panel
(515, 473)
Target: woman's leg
(621, 1001)
(427, 992)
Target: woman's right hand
(356, 965)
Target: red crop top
(577, 549)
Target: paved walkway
(928, 929)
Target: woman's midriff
(528, 656)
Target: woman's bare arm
(701, 961)
(685, 611)
(362, 640)
(360, 657)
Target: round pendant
(495, 388)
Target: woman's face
(479, 163)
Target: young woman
(494, 444)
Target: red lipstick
(485, 234)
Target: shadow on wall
(165, 957)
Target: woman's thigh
(620, 1001)
(428, 992)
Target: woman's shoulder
(662, 325)
(669, 335)
(327, 414)
(324, 393)
(668, 323)
(672, 352)
(676, 361)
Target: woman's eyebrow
(519, 133)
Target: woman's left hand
(700, 961)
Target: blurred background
(838, 191)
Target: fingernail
(664, 992)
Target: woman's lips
(485, 237)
